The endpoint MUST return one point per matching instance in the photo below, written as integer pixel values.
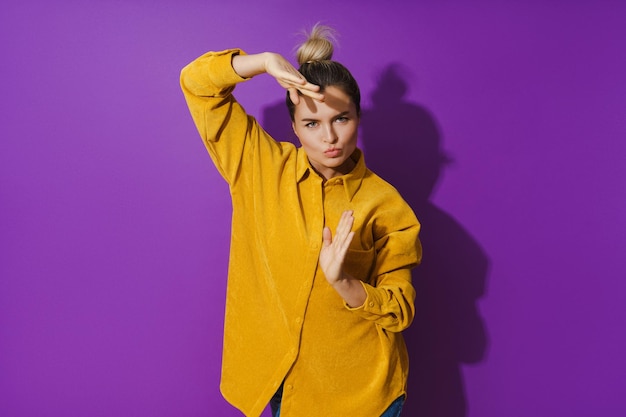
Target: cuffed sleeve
(391, 296)
(390, 306)
(211, 75)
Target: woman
(313, 318)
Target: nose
(330, 136)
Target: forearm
(247, 66)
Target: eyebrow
(343, 113)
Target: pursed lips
(332, 152)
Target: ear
(293, 126)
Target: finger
(295, 76)
(308, 89)
(311, 90)
(313, 94)
(348, 240)
(281, 69)
(347, 219)
(307, 86)
(327, 236)
(296, 80)
(345, 222)
(293, 95)
(292, 78)
(344, 227)
(341, 248)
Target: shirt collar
(351, 181)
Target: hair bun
(318, 46)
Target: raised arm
(229, 134)
(286, 75)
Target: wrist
(266, 57)
(345, 284)
(351, 290)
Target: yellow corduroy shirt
(283, 321)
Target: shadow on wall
(402, 144)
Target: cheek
(306, 135)
(351, 134)
(304, 138)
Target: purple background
(503, 123)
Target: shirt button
(371, 304)
(298, 320)
(290, 387)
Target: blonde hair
(318, 46)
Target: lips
(332, 153)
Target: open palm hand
(334, 249)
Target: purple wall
(503, 123)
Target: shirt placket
(312, 198)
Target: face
(328, 131)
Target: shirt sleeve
(225, 128)
(390, 300)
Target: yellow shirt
(283, 321)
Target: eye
(311, 124)
(341, 119)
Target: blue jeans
(393, 410)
